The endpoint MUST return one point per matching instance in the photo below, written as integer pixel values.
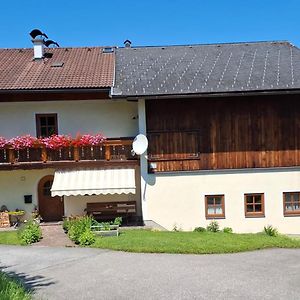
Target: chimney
(127, 44)
(38, 48)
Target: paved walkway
(83, 273)
(54, 236)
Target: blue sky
(152, 22)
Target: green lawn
(11, 289)
(9, 237)
(192, 242)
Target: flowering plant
(22, 142)
(3, 142)
(56, 141)
(88, 140)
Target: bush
(227, 230)
(271, 231)
(213, 226)
(30, 233)
(117, 221)
(87, 238)
(199, 229)
(79, 230)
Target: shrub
(87, 238)
(175, 228)
(79, 230)
(227, 230)
(199, 229)
(271, 231)
(213, 226)
(30, 233)
(117, 221)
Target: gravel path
(54, 236)
(82, 273)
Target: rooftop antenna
(36, 32)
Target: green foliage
(87, 238)
(227, 230)
(106, 225)
(11, 289)
(65, 224)
(200, 229)
(79, 230)
(30, 233)
(117, 221)
(176, 228)
(213, 226)
(271, 231)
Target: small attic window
(108, 50)
(57, 64)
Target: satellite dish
(140, 144)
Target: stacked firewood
(4, 220)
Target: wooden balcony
(110, 152)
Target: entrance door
(50, 208)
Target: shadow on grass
(31, 283)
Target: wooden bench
(110, 210)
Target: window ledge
(214, 217)
(292, 214)
(254, 216)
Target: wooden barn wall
(224, 133)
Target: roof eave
(206, 95)
(56, 90)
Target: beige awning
(93, 182)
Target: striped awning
(93, 182)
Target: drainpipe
(143, 160)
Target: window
(46, 125)
(291, 204)
(254, 205)
(214, 206)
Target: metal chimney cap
(127, 43)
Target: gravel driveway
(82, 273)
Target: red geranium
(22, 142)
(56, 141)
(3, 142)
(88, 140)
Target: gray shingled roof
(218, 68)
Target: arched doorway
(50, 208)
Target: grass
(192, 242)
(11, 289)
(10, 237)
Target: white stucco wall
(112, 118)
(179, 198)
(15, 184)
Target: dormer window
(46, 125)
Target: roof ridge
(214, 44)
(81, 47)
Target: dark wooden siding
(224, 133)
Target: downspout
(143, 159)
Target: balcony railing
(109, 150)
